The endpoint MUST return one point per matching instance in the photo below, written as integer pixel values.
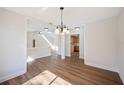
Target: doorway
(75, 45)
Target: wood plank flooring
(71, 71)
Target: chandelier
(62, 28)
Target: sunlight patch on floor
(46, 78)
(60, 81)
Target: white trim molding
(5, 78)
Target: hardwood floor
(71, 71)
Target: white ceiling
(73, 16)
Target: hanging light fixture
(62, 28)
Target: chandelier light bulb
(64, 30)
(57, 31)
(67, 32)
(62, 33)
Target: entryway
(75, 45)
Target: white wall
(62, 46)
(12, 44)
(100, 48)
(59, 44)
(35, 53)
(39, 41)
(121, 45)
(67, 45)
(42, 47)
(81, 42)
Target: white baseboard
(101, 66)
(42, 56)
(5, 78)
(36, 52)
(122, 77)
(68, 55)
(81, 57)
